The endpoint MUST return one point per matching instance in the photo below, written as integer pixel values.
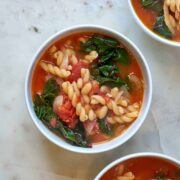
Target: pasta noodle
(62, 73)
(86, 89)
(82, 39)
(76, 89)
(73, 59)
(71, 91)
(91, 115)
(172, 19)
(85, 113)
(85, 74)
(87, 108)
(114, 92)
(80, 83)
(69, 52)
(118, 110)
(111, 120)
(101, 112)
(131, 113)
(126, 176)
(83, 116)
(80, 110)
(122, 102)
(91, 56)
(59, 57)
(104, 89)
(98, 99)
(86, 99)
(53, 49)
(133, 107)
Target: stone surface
(24, 152)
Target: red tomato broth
(39, 79)
(144, 168)
(148, 17)
(38, 83)
(101, 138)
(132, 68)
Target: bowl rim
(148, 31)
(28, 97)
(135, 155)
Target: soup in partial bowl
(142, 166)
(88, 87)
(159, 18)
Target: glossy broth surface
(146, 168)
(40, 78)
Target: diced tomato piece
(66, 112)
(107, 98)
(53, 122)
(78, 98)
(95, 87)
(76, 71)
(91, 127)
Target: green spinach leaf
(107, 74)
(147, 3)
(108, 70)
(39, 100)
(44, 111)
(43, 103)
(105, 69)
(111, 82)
(105, 127)
(161, 28)
(105, 41)
(155, 5)
(99, 44)
(108, 50)
(73, 136)
(107, 56)
(161, 174)
(51, 90)
(160, 177)
(122, 56)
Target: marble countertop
(25, 154)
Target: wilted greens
(105, 127)
(155, 5)
(44, 111)
(105, 69)
(160, 26)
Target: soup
(160, 16)
(87, 88)
(143, 168)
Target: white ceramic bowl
(150, 32)
(146, 100)
(143, 154)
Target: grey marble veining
(24, 26)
